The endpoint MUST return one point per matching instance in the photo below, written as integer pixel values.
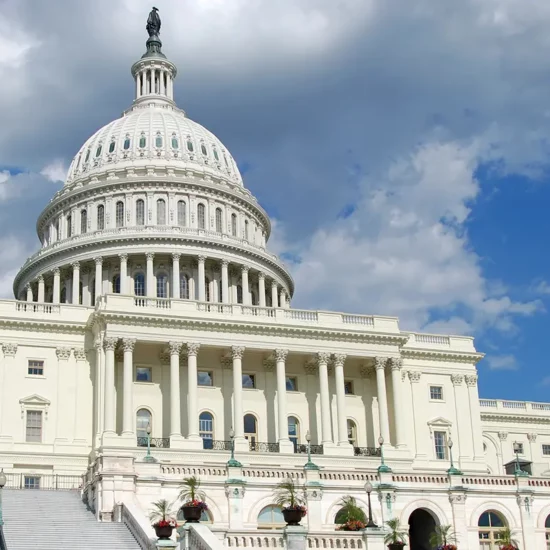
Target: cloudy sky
(401, 148)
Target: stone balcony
(514, 408)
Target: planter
(164, 532)
(293, 517)
(192, 514)
(396, 546)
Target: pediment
(35, 399)
(440, 422)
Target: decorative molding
(280, 355)
(175, 347)
(503, 436)
(366, 371)
(444, 356)
(192, 349)
(457, 379)
(323, 357)
(311, 367)
(532, 437)
(63, 354)
(34, 402)
(9, 349)
(380, 363)
(110, 343)
(414, 376)
(339, 359)
(457, 498)
(226, 362)
(237, 352)
(234, 491)
(395, 363)
(269, 364)
(80, 354)
(471, 379)
(164, 357)
(128, 344)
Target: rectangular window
(249, 380)
(34, 427)
(144, 374)
(205, 378)
(32, 482)
(436, 393)
(35, 368)
(348, 387)
(440, 440)
(291, 383)
(520, 448)
(546, 450)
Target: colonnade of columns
(154, 80)
(233, 359)
(78, 279)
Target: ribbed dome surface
(154, 134)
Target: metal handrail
(367, 451)
(157, 442)
(261, 447)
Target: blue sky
(401, 149)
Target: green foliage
(162, 510)
(442, 535)
(506, 537)
(288, 494)
(190, 489)
(349, 511)
(396, 534)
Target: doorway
(421, 525)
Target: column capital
(261, 275)
(274, 284)
(226, 362)
(310, 366)
(63, 353)
(175, 347)
(201, 258)
(176, 257)
(269, 364)
(237, 352)
(339, 359)
(164, 358)
(75, 265)
(80, 354)
(245, 269)
(98, 345)
(471, 379)
(9, 349)
(380, 363)
(225, 263)
(98, 260)
(123, 257)
(280, 355)
(457, 379)
(128, 344)
(323, 357)
(396, 363)
(366, 371)
(56, 271)
(40, 279)
(414, 376)
(532, 437)
(150, 256)
(192, 349)
(503, 436)
(110, 343)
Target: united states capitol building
(154, 313)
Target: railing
(301, 315)
(260, 447)
(159, 303)
(156, 442)
(314, 449)
(199, 537)
(216, 445)
(432, 339)
(47, 482)
(366, 451)
(263, 538)
(35, 307)
(508, 406)
(126, 517)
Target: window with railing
(234, 225)
(206, 429)
(83, 221)
(182, 214)
(201, 216)
(161, 212)
(162, 285)
(184, 286)
(139, 284)
(31, 482)
(219, 220)
(143, 419)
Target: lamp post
(232, 462)
(368, 488)
(382, 468)
(2, 484)
(518, 472)
(148, 457)
(452, 470)
(309, 464)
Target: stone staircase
(54, 520)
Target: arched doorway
(421, 525)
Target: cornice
(447, 356)
(509, 418)
(44, 325)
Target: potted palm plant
(350, 516)
(396, 538)
(506, 539)
(290, 497)
(443, 538)
(193, 499)
(161, 515)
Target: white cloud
(502, 362)
(56, 171)
(13, 253)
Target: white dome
(156, 134)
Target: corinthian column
(127, 406)
(76, 282)
(200, 276)
(261, 289)
(380, 366)
(339, 359)
(176, 276)
(280, 357)
(246, 290)
(395, 363)
(123, 273)
(225, 282)
(192, 391)
(150, 275)
(98, 277)
(238, 419)
(109, 421)
(322, 359)
(175, 406)
(56, 286)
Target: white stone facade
(154, 300)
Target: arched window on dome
(352, 432)
(182, 213)
(175, 142)
(69, 226)
(239, 294)
(161, 212)
(184, 286)
(140, 212)
(83, 221)
(119, 214)
(219, 220)
(126, 145)
(142, 141)
(88, 152)
(206, 429)
(98, 150)
(158, 140)
(207, 292)
(139, 284)
(78, 162)
(204, 151)
(246, 230)
(116, 284)
(100, 217)
(162, 285)
(490, 525)
(294, 431)
(234, 225)
(216, 156)
(201, 216)
(190, 146)
(112, 146)
(225, 160)
(271, 517)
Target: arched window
(349, 511)
(100, 217)
(207, 293)
(143, 419)
(87, 156)
(182, 214)
(251, 428)
(294, 430)
(234, 225)
(271, 517)
(116, 284)
(175, 143)
(83, 221)
(201, 216)
(139, 284)
(490, 525)
(158, 140)
(162, 285)
(216, 156)
(352, 432)
(57, 235)
(127, 143)
(69, 226)
(206, 429)
(161, 212)
(203, 150)
(119, 211)
(239, 294)
(112, 146)
(184, 287)
(142, 141)
(246, 230)
(219, 220)
(547, 527)
(98, 150)
(140, 212)
(190, 147)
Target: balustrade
(156, 442)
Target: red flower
(165, 523)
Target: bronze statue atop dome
(153, 23)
